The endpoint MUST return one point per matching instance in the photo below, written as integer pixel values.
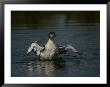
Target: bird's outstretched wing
(69, 47)
(35, 47)
(64, 49)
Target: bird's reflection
(46, 67)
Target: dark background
(31, 18)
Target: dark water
(84, 36)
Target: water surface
(83, 35)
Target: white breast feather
(50, 49)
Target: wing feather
(64, 49)
(36, 48)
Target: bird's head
(51, 35)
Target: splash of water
(69, 46)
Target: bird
(50, 50)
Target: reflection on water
(80, 29)
(43, 68)
(48, 68)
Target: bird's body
(50, 50)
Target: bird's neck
(51, 41)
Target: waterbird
(50, 50)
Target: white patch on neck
(50, 45)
